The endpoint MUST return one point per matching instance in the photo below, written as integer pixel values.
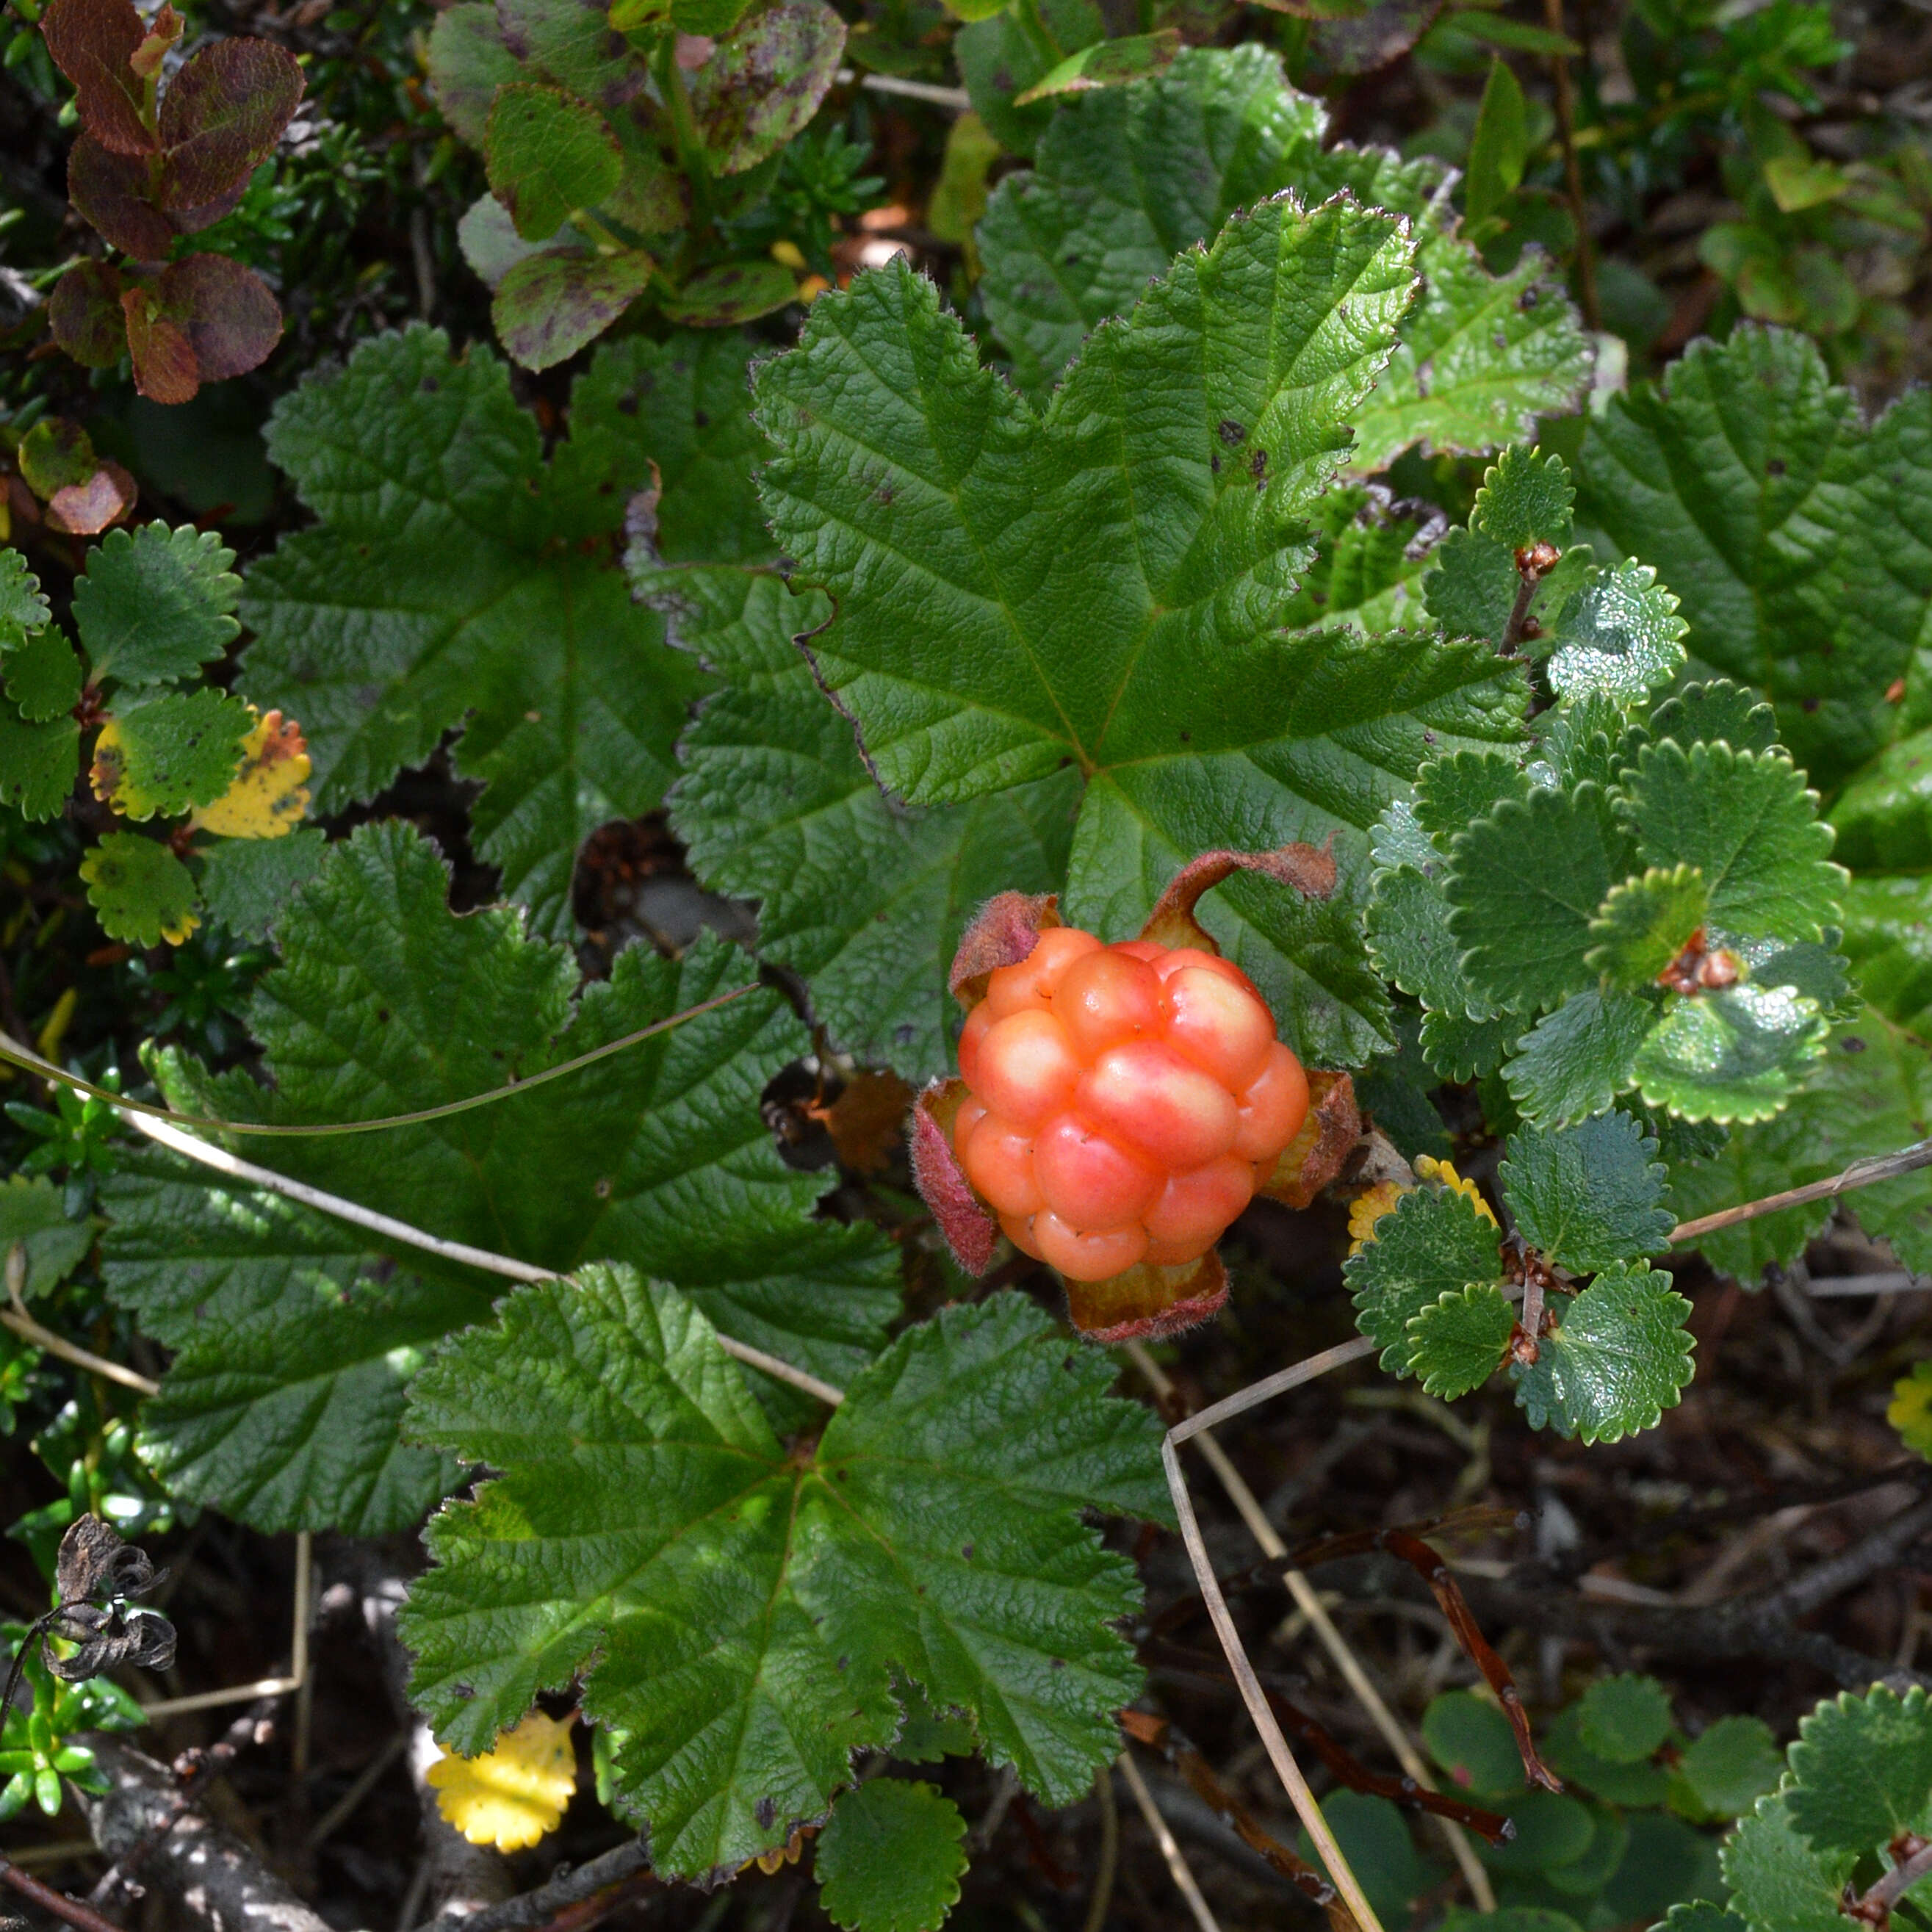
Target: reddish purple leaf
(550, 305)
(228, 312)
(112, 191)
(93, 43)
(192, 220)
(86, 316)
(222, 115)
(165, 370)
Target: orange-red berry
(1123, 1101)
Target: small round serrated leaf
(1735, 1055)
(1574, 1062)
(84, 314)
(1624, 1718)
(139, 891)
(44, 677)
(1589, 1195)
(1732, 1764)
(36, 764)
(1619, 1356)
(1861, 1768)
(1472, 1740)
(891, 1859)
(1434, 1243)
(1646, 923)
(1458, 1341)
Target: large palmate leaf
(1093, 590)
(457, 579)
(387, 1003)
(1125, 178)
(1799, 541)
(739, 1610)
(864, 897)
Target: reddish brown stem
(83, 1918)
(1342, 1765)
(1450, 1600)
(1158, 1734)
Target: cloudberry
(1123, 1101)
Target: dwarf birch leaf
(44, 676)
(1779, 1883)
(268, 793)
(1126, 178)
(1574, 1062)
(1436, 1243)
(892, 1858)
(1624, 1718)
(1717, 712)
(169, 754)
(32, 1212)
(1735, 1055)
(23, 607)
(738, 1611)
(1618, 1358)
(1589, 1195)
(995, 626)
(1745, 819)
(36, 764)
(1460, 1049)
(453, 580)
(1646, 923)
(1799, 542)
(1526, 927)
(1862, 1770)
(1410, 941)
(153, 604)
(1458, 1341)
(139, 890)
(1451, 792)
(1618, 635)
(1731, 1764)
(866, 899)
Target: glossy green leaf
(1619, 1356)
(1617, 635)
(1526, 927)
(738, 1610)
(1862, 1770)
(154, 603)
(1457, 1342)
(1435, 1244)
(1588, 1195)
(1575, 1061)
(1746, 821)
(1500, 147)
(1779, 1883)
(1646, 923)
(43, 676)
(1735, 1055)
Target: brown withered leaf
(868, 1119)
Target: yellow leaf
(270, 794)
(1911, 1411)
(1430, 1168)
(1365, 1210)
(511, 1796)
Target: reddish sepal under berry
(970, 1232)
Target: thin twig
(12, 1050)
(223, 1162)
(83, 1918)
(1255, 1698)
(1177, 1865)
(540, 1907)
(1305, 1600)
(1875, 1907)
(1573, 174)
(1110, 1851)
(24, 1325)
(1860, 1173)
(265, 1687)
